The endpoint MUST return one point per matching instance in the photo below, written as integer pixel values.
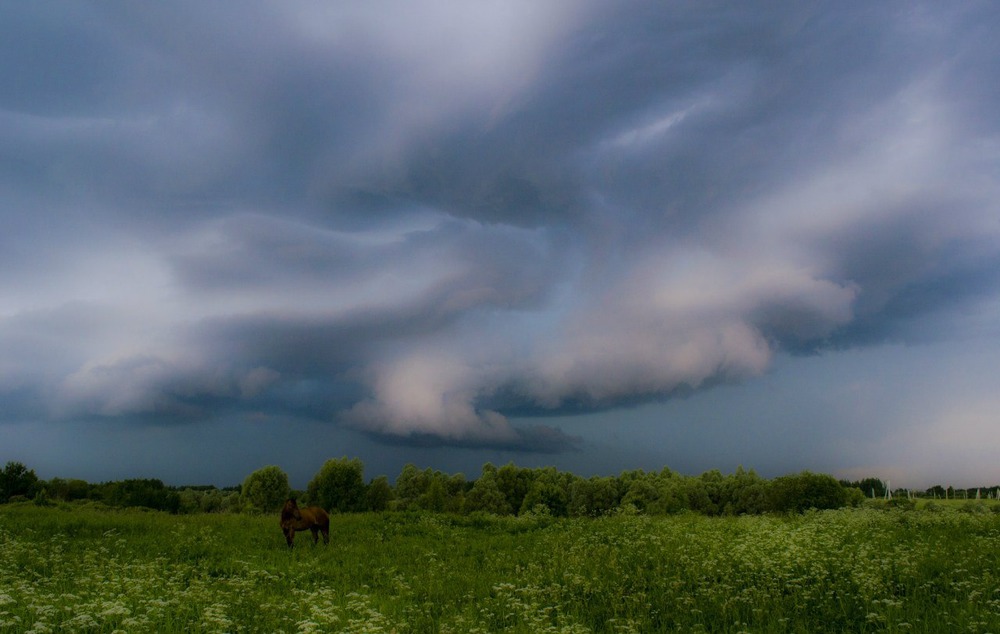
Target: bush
(855, 497)
(973, 506)
(903, 504)
(42, 499)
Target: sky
(599, 236)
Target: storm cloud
(425, 220)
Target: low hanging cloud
(424, 223)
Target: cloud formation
(423, 219)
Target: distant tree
(435, 497)
(661, 493)
(869, 487)
(642, 494)
(745, 493)
(339, 485)
(411, 484)
(855, 497)
(17, 479)
(207, 499)
(67, 490)
(547, 492)
(145, 492)
(673, 493)
(580, 498)
(379, 494)
(594, 496)
(486, 496)
(627, 478)
(266, 489)
(696, 496)
(936, 491)
(806, 490)
(190, 501)
(712, 497)
(514, 483)
(456, 487)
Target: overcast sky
(601, 236)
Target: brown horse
(311, 518)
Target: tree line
(340, 487)
(19, 483)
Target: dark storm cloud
(420, 219)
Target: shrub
(974, 507)
(903, 504)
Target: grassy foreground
(92, 570)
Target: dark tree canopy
(17, 480)
(339, 486)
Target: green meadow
(90, 569)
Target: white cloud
(430, 393)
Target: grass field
(92, 570)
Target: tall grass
(92, 570)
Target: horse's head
(290, 510)
(290, 514)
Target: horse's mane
(288, 510)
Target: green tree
(486, 496)
(870, 487)
(855, 497)
(937, 491)
(642, 494)
(266, 489)
(672, 493)
(435, 497)
(548, 493)
(411, 484)
(514, 483)
(17, 479)
(697, 497)
(67, 490)
(745, 493)
(339, 485)
(379, 494)
(801, 491)
(456, 487)
(594, 496)
(141, 492)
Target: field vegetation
(85, 568)
(516, 550)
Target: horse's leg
(315, 532)
(326, 535)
